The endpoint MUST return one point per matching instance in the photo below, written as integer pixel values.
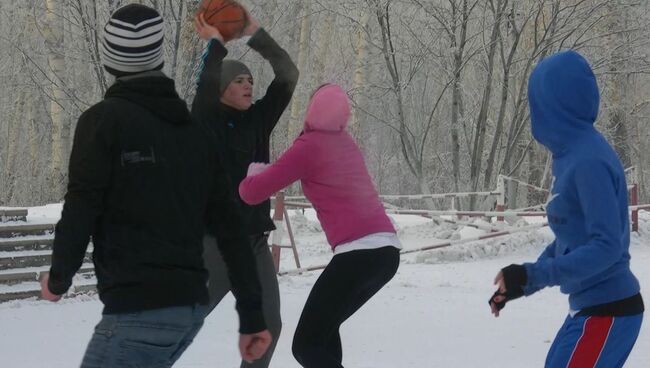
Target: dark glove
(515, 278)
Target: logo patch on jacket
(135, 157)
(551, 195)
(556, 220)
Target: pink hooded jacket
(331, 169)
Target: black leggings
(346, 284)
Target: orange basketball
(227, 15)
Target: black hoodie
(244, 136)
(142, 178)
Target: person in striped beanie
(144, 184)
(133, 40)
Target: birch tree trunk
(458, 43)
(88, 18)
(324, 42)
(14, 127)
(191, 47)
(359, 70)
(298, 102)
(481, 121)
(619, 89)
(507, 63)
(56, 68)
(177, 18)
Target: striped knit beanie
(133, 39)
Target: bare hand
(204, 30)
(253, 346)
(45, 290)
(501, 284)
(251, 24)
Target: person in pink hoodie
(330, 166)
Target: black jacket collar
(154, 92)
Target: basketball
(226, 15)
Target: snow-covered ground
(434, 313)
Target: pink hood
(329, 110)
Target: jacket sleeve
(206, 100)
(293, 165)
(88, 178)
(279, 92)
(549, 252)
(598, 201)
(234, 245)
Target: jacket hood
(156, 93)
(563, 98)
(329, 109)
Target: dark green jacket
(244, 136)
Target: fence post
(291, 238)
(501, 198)
(278, 218)
(634, 200)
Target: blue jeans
(152, 338)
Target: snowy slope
(434, 313)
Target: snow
(77, 281)
(25, 253)
(48, 214)
(24, 286)
(434, 313)
(34, 238)
(36, 269)
(45, 214)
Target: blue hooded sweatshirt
(587, 209)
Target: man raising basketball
(224, 103)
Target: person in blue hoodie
(588, 213)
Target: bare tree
(56, 69)
(303, 53)
(498, 9)
(438, 87)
